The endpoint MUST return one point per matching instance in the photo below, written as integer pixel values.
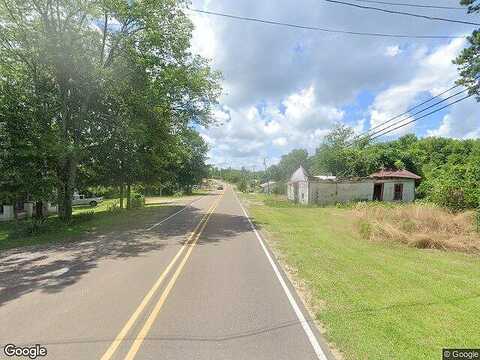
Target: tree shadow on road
(52, 267)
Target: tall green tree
(469, 61)
(102, 79)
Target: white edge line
(176, 213)
(306, 327)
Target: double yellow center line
(189, 245)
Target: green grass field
(375, 300)
(86, 220)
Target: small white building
(396, 185)
(268, 187)
(22, 210)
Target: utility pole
(266, 174)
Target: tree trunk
(39, 214)
(129, 196)
(67, 173)
(122, 190)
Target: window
(398, 192)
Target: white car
(79, 199)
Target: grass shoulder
(86, 220)
(376, 298)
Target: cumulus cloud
(298, 121)
(462, 122)
(285, 88)
(393, 50)
(434, 73)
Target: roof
(267, 184)
(405, 174)
(300, 175)
(324, 177)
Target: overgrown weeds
(424, 226)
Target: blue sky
(286, 88)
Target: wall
(330, 192)
(290, 192)
(303, 192)
(389, 189)
(7, 214)
(323, 192)
(355, 191)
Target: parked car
(79, 199)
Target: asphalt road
(199, 285)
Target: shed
(268, 187)
(384, 185)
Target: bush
(178, 194)
(114, 207)
(365, 229)
(242, 186)
(138, 201)
(84, 216)
(450, 197)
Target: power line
(409, 117)
(413, 5)
(423, 116)
(403, 13)
(314, 28)
(366, 133)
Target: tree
(191, 167)
(110, 96)
(468, 61)
(288, 164)
(332, 156)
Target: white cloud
(433, 73)
(282, 83)
(204, 41)
(281, 141)
(393, 50)
(462, 122)
(298, 121)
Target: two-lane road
(200, 285)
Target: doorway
(378, 192)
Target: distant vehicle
(195, 187)
(79, 199)
(219, 187)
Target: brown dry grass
(419, 225)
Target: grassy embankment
(86, 220)
(377, 298)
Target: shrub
(450, 197)
(242, 186)
(114, 207)
(138, 201)
(365, 229)
(84, 216)
(178, 194)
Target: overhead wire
(428, 17)
(423, 116)
(412, 5)
(321, 29)
(367, 135)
